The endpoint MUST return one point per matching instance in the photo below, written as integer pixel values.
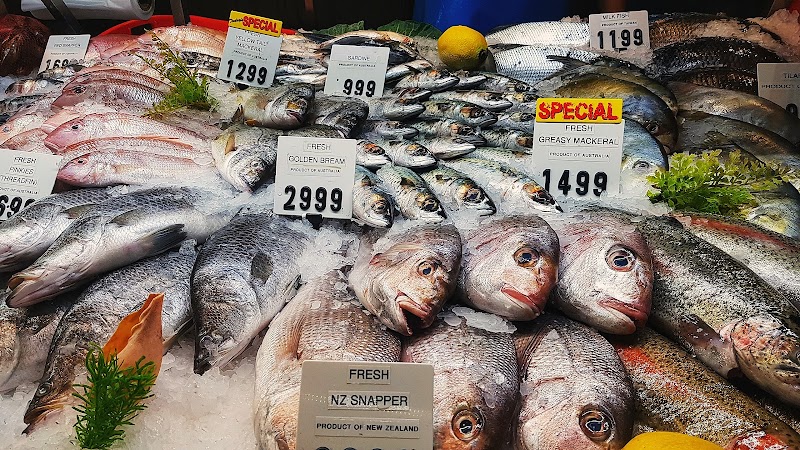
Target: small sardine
(411, 195)
(457, 191)
(492, 101)
(463, 112)
(433, 80)
(371, 205)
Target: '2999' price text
(584, 182)
(321, 198)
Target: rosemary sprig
(111, 399)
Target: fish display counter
(550, 321)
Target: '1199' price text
(582, 182)
(320, 195)
(624, 38)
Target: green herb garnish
(111, 399)
(702, 183)
(186, 90)
(341, 28)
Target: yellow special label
(258, 24)
(586, 110)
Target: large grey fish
(322, 322)
(389, 129)
(496, 82)
(568, 34)
(98, 311)
(464, 112)
(667, 29)
(492, 101)
(121, 231)
(721, 78)
(675, 392)
(457, 191)
(392, 108)
(246, 156)
(504, 182)
(433, 80)
(740, 106)
(448, 128)
(406, 153)
(534, 63)
(371, 205)
(709, 53)
(29, 233)
(475, 383)
(571, 380)
(511, 139)
(605, 277)
(405, 277)
(642, 156)
(346, 114)
(410, 193)
(244, 275)
(509, 266)
(721, 311)
(281, 106)
(446, 147)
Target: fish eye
(620, 259)
(526, 257)
(81, 161)
(426, 268)
(428, 204)
(467, 424)
(44, 388)
(652, 128)
(380, 207)
(374, 149)
(596, 425)
(474, 195)
(641, 164)
(526, 117)
(78, 89)
(75, 126)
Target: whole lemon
(665, 440)
(462, 47)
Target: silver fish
(492, 101)
(518, 120)
(463, 112)
(389, 129)
(282, 107)
(407, 153)
(407, 94)
(511, 139)
(533, 63)
(468, 80)
(392, 108)
(568, 34)
(642, 156)
(370, 154)
(346, 114)
(457, 191)
(448, 128)
(371, 205)
(496, 82)
(245, 156)
(433, 80)
(402, 70)
(411, 195)
(447, 147)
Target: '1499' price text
(320, 196)
(12, 205)
(584, 182)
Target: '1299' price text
(254, 72)
(584, 182)
(320, 195)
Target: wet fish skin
(28, 141)
(410, 193)
(467, 80)
(371, 205)
(282, 107)
(675, 392)
(322, 322)
(491, 101)
(447, 128)
(496, 82)
(102, 73)
(109, 92)
(464, 112)
(401, 70)
(605, 271)
(518, 120)
(406, 277)
(370, 154)
(446, 148)
(244, 275)
(511, 139)
(475, 383)
(778, 211)
(389, 129)
(457, 191)
(245, 156)
(32, 86)
(709, 53)
(547, 32)
(642, 156)
(720, 78)
(96, 314)
(346, 114)
(433, 80)
(407, 153)
(675, 27)
(588, 395)
(392, 108)
(534, 63)
(509, 266)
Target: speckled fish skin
(721, 78)
(245, 156)
(346, 114)
(29, 233)
(475, 384)
(496, 82)
(121, 231)
(518, 120)
(721, 311)
(411, 195)
(447, 147)
(406, 153)
(571, 380)
(433, 80)
(392, 108)
(464, 112)
(509, 266)
(772, 256)
(505, 182)
(448, 128)
(605, 271)
(709, 53)
(96, 314)
(389, 129)
(406, 284)
(283, 107)
(244, 275)
(547, 32)
(532, 63)
(322, 322)
(492, 101)
(669, 28)
(675, 392)
(371, 205)
(370, 154)
(511, 139)
(109, 92)
(642, 156)
(458, 192)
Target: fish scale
(709, 53)
(532, 64)
(411, 195)
(569, 34)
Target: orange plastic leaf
(139, 334)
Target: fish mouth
(536, 305)
(36, 417)
(637, 317)
(420, 315)
(296, 115)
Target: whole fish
(721, 78)
(675, 392)
(322, 322)
(392, 108)
(568, 34)
(518, 120)
(433, 80)
(370, 154)
(30, 232)
(410, 193)
(32, 86)
(155, 145)
(446, 147)
(109, 92)
(752, 109)
(20, 123)
(475, 383)
(496, 82)
(402, 70)
(468, 80)
(371, 205)
(358, 36)
(534, 63)
(100, 73)
(464, 112)
(244, 275)
(642, 156)
(720, 310)
(772, 256)
(283, 107)
(709, 53)
(448, 128)
(192, 38)
(667, 29)
(346, 114)
(406, 153)
(571, 380)
(405, 277)
(245, 156)
(98, 311)
(605, 275)
(457, 191)
(504, 182)
(509, 266)
(28, 141)
(389, 129)
(128, 228)
(512, 139)
(492, 101)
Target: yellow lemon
(665, 440)
(462, 47)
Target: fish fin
(129, 217)
(164, 239)
(376, 259)
(569, 63)
(238, 115)
(261, 267)
(292, 287)
(77, 211)
(697, 332)
(230, 145)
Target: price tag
(24, 178)
(619, 31)
(578, 146)
(251, 50)
(315, 176)
(357, 71)
(780, 83)
(63, 50)
(365, 405)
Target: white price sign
(365, 405)
(357, 71)
(63, 50)
(251, 51)
(619, 31)
(780, 83)
(24, 178)
(315, 176)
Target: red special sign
(588, 110)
